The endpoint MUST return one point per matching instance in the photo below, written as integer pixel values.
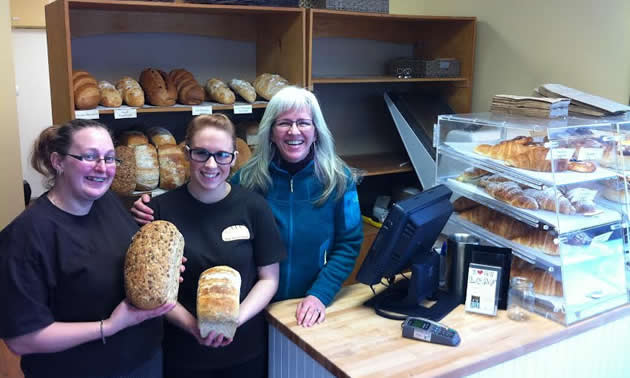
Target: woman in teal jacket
(313, 196)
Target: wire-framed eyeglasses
(95, 159)
(286, 124)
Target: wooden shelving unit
(384, 79)
(277, 35)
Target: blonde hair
(330, 170)
(218, 121)
(57, 138)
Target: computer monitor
(405, 242)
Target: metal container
(455, 261)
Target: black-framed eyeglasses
(202, 155)
(95, 159)
(286, 124)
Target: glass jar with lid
(520, 298)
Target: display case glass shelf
(552, 190)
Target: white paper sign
(86, 114)
(587, 153)
(560, 153)
(201, 109)
(125, 113)
(482, 289)
(602, 238)
(242, 109)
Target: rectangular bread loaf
(218, 298)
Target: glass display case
(553, 191)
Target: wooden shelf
(183, 108)
(383, 79)
(379, 164)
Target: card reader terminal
(430, 331)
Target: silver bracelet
(102, 334)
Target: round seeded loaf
(152, 265)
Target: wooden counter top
(355, 342)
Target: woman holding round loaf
(313, 196)
(222, 225)
(61, 268)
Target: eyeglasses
(202, 155)
(286, 124)
(95, 159)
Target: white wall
(30, 56)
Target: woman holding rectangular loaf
(222, 225)
(313, 196)
(61, 268)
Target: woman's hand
(214, 340)
(125, 315)
(182, 269)
(310, 311)
(142, 213)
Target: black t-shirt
(55, 266)
(238, 231)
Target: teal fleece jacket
(322, 242)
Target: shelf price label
(590, 153)
(201, 109)
(86, 114)
(242, 109)
(560, 153)
(125, 113)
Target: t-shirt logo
(236, 232)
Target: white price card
(482, 289)
(125, 113)
(86, 114)
(201, 109)
(242, 109)
(587, 153)
(560, 153)
(601, 238)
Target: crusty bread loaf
(267, 85)
(132, 138)
(152, 265)
(172, 166)
(147, 167)
(131, 92)
(160, 136)
(219, 92)
(189, 92)
(218, 301)
(182, 147)
(125, 180)
(85, 90)
(244, 89)
(110, 96)
(244, 154)
(159, 89)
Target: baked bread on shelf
(110, 96)
(147, 167)
(537, 239)
(506, 149)
(131, 92)
(172, 166)
(546, 200)
(534, 158)
(158, 87)
(512, 194)
(124, 182)
(132, 138)
(543, 281)
(189, 92)
(152, 265)
(463, 204)
(218, 301)
(244, 89)
(160, 136)
(220, 92)
(471, 175)
(85, 90)
(268, 84)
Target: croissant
(534, 158)
(463, 203)
(546, 200)
(471, 174)
(189, 92)
(505, 149)
(484, 181)
(495, 222)
(582, 200)
(544, 283)
(537, 239)
(511, 193)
